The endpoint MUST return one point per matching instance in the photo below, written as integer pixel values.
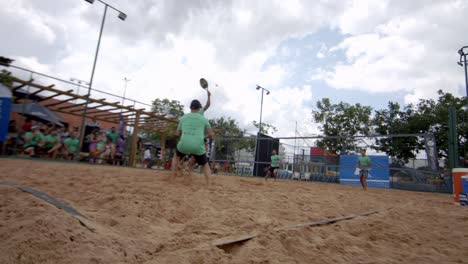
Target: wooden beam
(72, 106)
(90, 108)
(91, 100)
(52, 96)
(60, 102)
(107, 112)
(134, 141)
(36, 92)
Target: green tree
(341, 119)
(5, 78)
(428, 116)
(393, 121)
(265, 128)
(170, 109)
(229, 138)
(167, 108)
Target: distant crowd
(62, 142)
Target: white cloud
(413, 52)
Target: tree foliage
(167, 108)
(266, 128)
(5, 78)
(427, 116)
(341, 119)
(229, 138)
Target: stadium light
(122, 16)
(462, 63)
(261, 106)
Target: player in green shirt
(274, 165)
(191, 128)
(364, 164)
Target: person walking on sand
(364, 164)
(191, 128)
(274, 166)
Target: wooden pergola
(99, 110)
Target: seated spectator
(34, 140)
(52, 142)
(94, 139)
(109, 150)
(119, 151)
(71, 145)
(27, 126)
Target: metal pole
(294, 155)
(125, 89)
(261, 111)
(83, 120)
(466, 74)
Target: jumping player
(364, 164)
(191, 128)
(274, 166)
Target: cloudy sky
(348, 50)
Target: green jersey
(364, 162)
(193, 127)
(113, 136)
(201, 112)
(50, 141)
(34, 140)
(72, 144)
(275, 161)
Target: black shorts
(200, 159)
(272, 169)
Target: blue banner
(5, 109)
(378, 173)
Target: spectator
(33, 139)
(113, 135)
(93, 141)
(120, 149)
(146, 157)
(109, 150)
(27, 125)
(52, 142)
(71, 145)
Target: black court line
(46, 198)
(228, 241)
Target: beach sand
(138, 216)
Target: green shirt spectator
(35, 139)
(72, 144)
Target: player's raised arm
(208, 101)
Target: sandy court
(137, 216)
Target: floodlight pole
(462, 63)
(259, 128)
(122, 16)
(261, 106)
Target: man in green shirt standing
(191, 128)
(113, 135)
(274, 165)
(364, 164)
